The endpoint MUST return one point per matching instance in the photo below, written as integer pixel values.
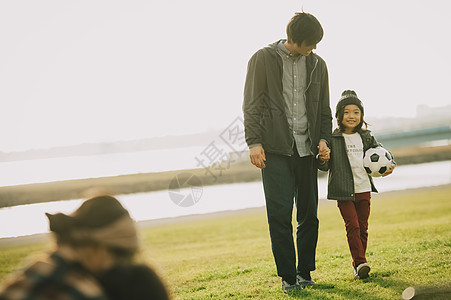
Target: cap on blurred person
(101, 220)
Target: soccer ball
(376, 161)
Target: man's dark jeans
(286, 179)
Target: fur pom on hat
(348, 97)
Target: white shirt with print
(354, 149)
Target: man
(288, 121)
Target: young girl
(348, 182)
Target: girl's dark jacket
(341, 180)
(265, 120)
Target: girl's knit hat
(348, 97)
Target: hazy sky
(87, 71)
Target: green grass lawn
(230, 257)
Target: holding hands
(323, 151)
(258, 158)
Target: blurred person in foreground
(287, 122)
(96, 246)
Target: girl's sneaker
(362, 270)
